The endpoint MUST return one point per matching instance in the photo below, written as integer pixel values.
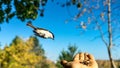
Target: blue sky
(65, 34)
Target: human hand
(81, 60)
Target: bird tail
(30, 24)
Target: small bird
(43, 33)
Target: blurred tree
(37, 48)
(22, 9)
(67, 55)
(23, 54)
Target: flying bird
(43, 33)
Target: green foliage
(22, 9)
(27, 9)
(23, 54)
(67, 55)
(37, 48)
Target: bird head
(51, 36)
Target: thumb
(64, 62)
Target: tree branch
(102, 35)
(99, 35)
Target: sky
(65, 34)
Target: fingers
(90, 61)
(67, 64)
(63, 62)
(79, 57)
(83, 56)
(90, 57)
(86, 56)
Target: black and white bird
(43, 33)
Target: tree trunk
(110, 35)
(110, 57)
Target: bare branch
(116, 38)
(101, 33)
(99, 36)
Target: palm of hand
(81, 60)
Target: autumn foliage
(24, 54)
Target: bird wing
(42, 36)
(39, 34)
(44, 33)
